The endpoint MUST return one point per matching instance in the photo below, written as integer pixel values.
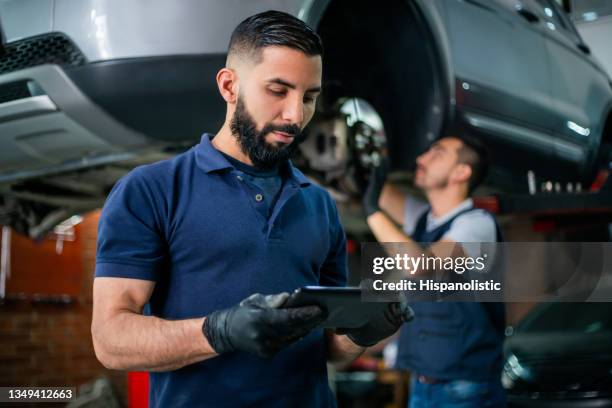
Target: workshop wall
(46, 338)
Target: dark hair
(274, 28)
(473, 153)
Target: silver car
(91, 88)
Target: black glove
(376, 182)
(257, 325)
(381, 327)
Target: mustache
(292, 130)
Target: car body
(560, 355)
(91, 88)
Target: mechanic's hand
(257, 325)
(376, 182)
(381, 327)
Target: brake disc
(344, 144)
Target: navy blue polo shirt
(193, 226)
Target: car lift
(556, 209)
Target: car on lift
(560, 355)
(90, 89)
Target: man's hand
(381, 327)
(257, 325)
(376, 182)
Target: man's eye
(309, 99)
(277, 92)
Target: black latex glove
(376, 181)
(257, 325)
(381, 327)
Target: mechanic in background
(200, 238)
(453, 349)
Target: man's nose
(293, 111)
(420, 160)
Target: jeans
(457, 394)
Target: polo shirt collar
(209, 159)
(297, 175)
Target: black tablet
(344, 306)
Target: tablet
(344, 306)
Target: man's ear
(227, 82)
(462, 172)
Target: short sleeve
(130, 234)
(413, 209)
(334, 271)
(474, 226)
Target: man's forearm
(129, 341)
(386, 231)
(341, 350)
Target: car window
(563, 5)
(550, 14)
(590, 10)
(583, 318)
(510, 5)
(556, 19)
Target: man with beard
(453, 349)
(199, 239)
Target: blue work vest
(452, 340)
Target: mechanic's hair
(473, 153)
(273, 28)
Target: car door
(502, 68)
(581, 91)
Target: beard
(430, 184)
(253, 143)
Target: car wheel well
(606, 142)
(606, 136)
(385, 55)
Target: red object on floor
(138, 389)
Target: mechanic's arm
(393, 201)
(124, 339)
(340, 349)
(345, 345)
(386, 231)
